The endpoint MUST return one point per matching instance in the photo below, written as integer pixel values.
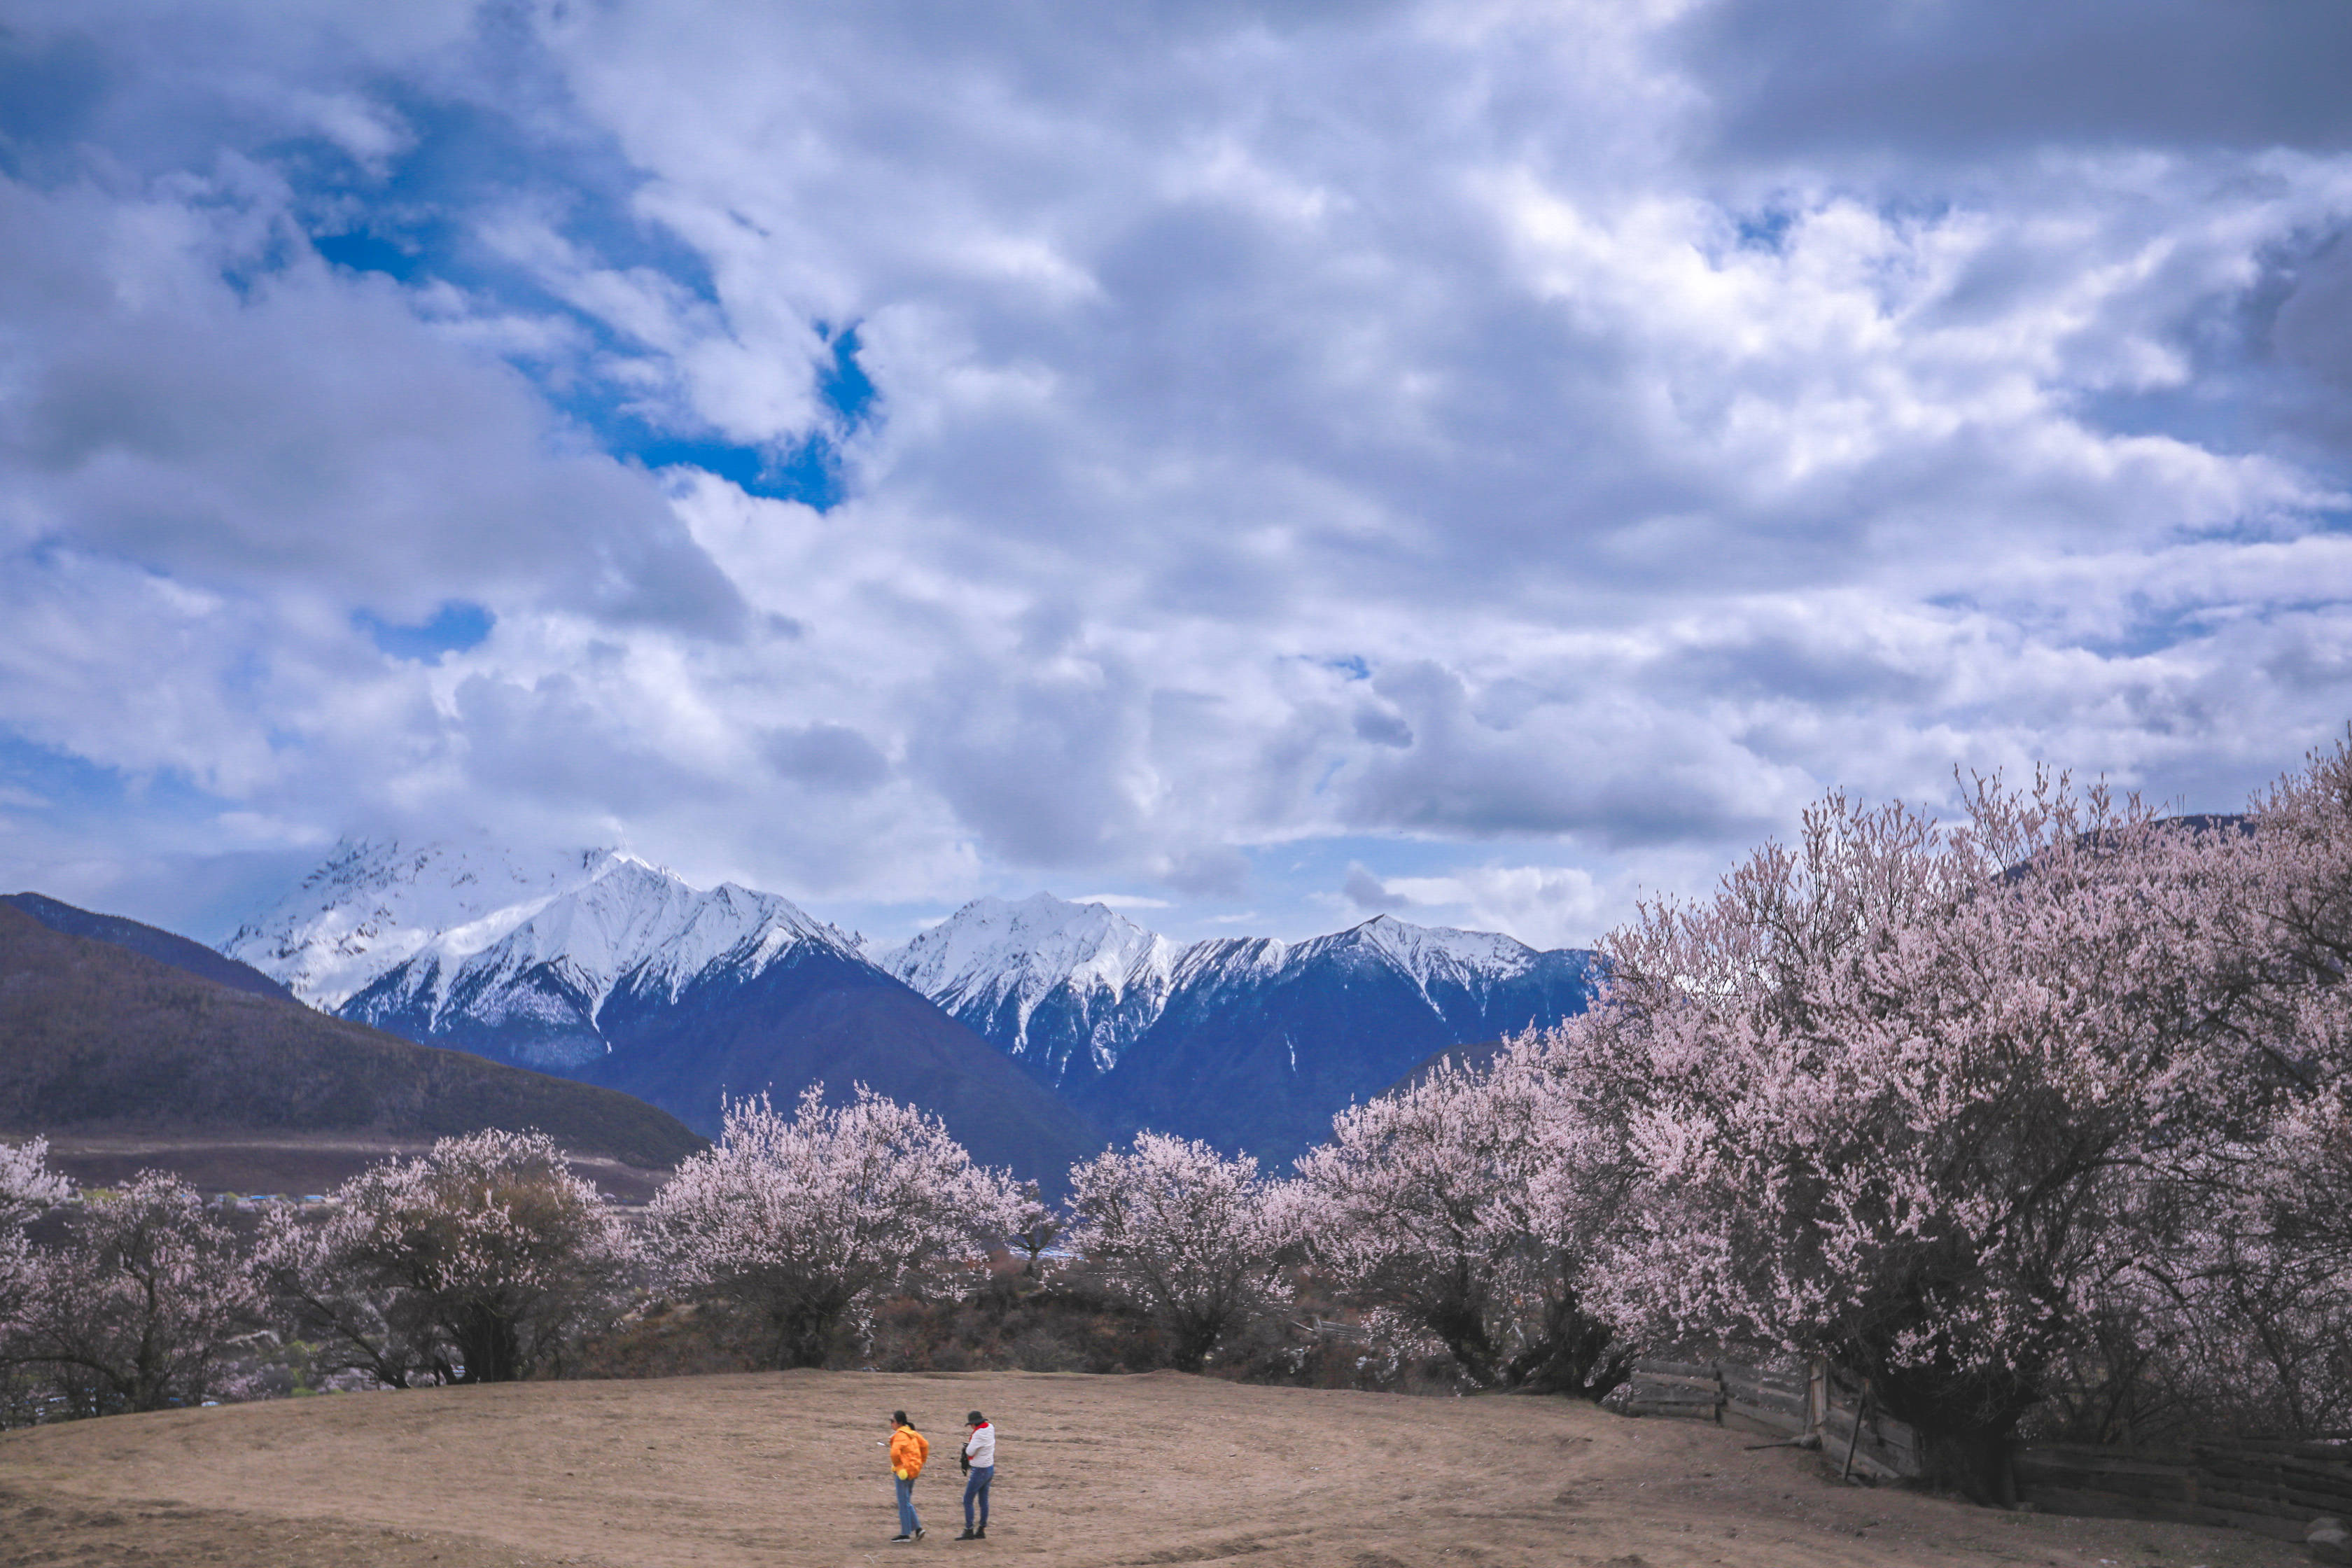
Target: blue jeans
(908, 1520)
(977, 1487)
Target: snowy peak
(1053, 982)
(993, 946)
(374, 904)
(442, 920)
(633, 924)
(1074, 991)
(992, 949)
(1433, 955)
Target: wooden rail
(1806, 1403)
(2273, 1488)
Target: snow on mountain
(601, 966)
(542, 986)
(1071, 988)
(374, 905)
(1434, 953)
(993, 944)
(1259, 1041)
(450, 921)
(991, 951)
(1050, 977)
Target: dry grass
(774, 1469)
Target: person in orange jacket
(908, 1449)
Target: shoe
(902, 1538)
(919, 1532)
(981, 1535)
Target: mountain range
(599, 966)
(1036, 1029)
(1249, 1043)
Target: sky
(1263, 465)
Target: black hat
(975, 1419)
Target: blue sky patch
(362, 251)
(455, 628)
(844, 384)
(807, 470)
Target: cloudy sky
(1269, 463)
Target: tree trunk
(803, 1332)
(1967, 1424)
(1575, 1354)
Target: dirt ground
(785, 1468)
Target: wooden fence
(2273, 1488)
(1808, 1405)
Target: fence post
(1861, 1413)
(1817, 1399)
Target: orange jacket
(908, 1449)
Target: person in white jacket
(980, 1467)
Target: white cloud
(1510, 435)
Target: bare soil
(785, 1468)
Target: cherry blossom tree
(1454, 1202)
(27, 1186)
(1038, 1226)
(1176, 1228)
(137, 1311)
(2243, 1293)
(1894, 1093)
(477, 1262)
(2286, 927)
(810, 1218)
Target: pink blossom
(812, 1218)
(477, 1262)
(1174, 1227)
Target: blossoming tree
(810, 1217)
(27, 1186)
(1176, 1228)
(1893, 1095)
(475, 1262)
(1450, 1204)
(136, 1311)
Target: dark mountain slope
(1258, 1057)
(816, 1013)
(166, 947)
(96, 1038)
(1477, 1057)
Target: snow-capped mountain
(602, 966)
(1018, 1022)
(1063, 987)
(508, 957)
(1251, 1043)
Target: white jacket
(981, 1449)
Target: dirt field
(784, 1469)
